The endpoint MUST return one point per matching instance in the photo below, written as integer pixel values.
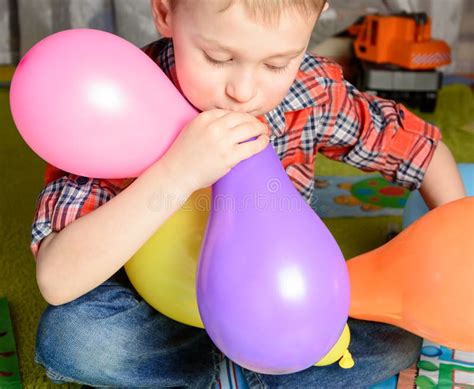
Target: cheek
(275, 90)
(198, 87)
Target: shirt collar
(309, 88)
(164, 57)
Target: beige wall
(463, 49)
(452, 21)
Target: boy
(243, 64)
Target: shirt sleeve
(64, 200)
(374, 134)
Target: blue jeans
(110, 337)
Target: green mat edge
(7, 343)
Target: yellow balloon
(163, 271)
(339, 352)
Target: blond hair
(267, 11)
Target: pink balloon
(93, 104)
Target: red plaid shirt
(321, 112)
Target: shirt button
(82, 180)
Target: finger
(246, 131)
(247, 149)
(232, 119)
(213, 114)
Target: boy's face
(229, 61)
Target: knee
(400, 348)
(76, 344)
(406, 350)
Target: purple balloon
(272, 283)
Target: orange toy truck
(399, 58)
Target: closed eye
(216, 62)
(219, 63)
(277, 69)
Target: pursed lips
(238, 110)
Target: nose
(241, 86)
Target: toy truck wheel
(428, 102)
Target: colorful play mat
(438, 368)
(357, 196)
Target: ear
(161, 16)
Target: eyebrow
(291, 53)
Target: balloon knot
(346, 361)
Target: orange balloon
(423, 279)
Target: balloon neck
(347, 362)
(372, 291)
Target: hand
(211, 144)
